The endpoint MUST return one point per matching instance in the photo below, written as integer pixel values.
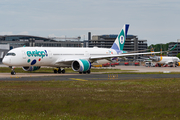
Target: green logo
(36, 53)
(121, 39)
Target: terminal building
(8, 42)
(27, 40)
(132, 43)
(4, 48)
(176, 49)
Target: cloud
(11, 33)
(52, 35)
(23, 33)
(6, 33)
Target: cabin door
(23, 54)
(86, 54)
(50, 54)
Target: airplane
(164, 60)
(79, 59)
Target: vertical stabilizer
(152, 50)
(118, 44)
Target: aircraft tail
(152, 50)
(172, 48)
(118, 44)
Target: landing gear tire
(80, 72)
(63, 71)
(59, 70)
(55, 71)
(88, 71)
(13, 72)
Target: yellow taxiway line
(78, 79)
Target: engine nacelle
(155, 58)
(31, 68)
(177, 63)
(81, 65)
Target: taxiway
(97, 76)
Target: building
(131, 44)
(176, 49)
(8, 42)
(4, 48)
(27, 40)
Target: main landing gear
(12, 70)
(59, 70)
(88, 72)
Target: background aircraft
(79, 59)
(164, 60)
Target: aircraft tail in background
(118, 44)
(152, 50)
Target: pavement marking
(15, 77)
(78, 79)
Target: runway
(84, 77)
(95, 76)
(148, 69)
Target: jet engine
(81, 65)
(177, 64)
(155, 58)
(31, 68)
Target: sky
(157, 21)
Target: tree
(158, 47)
(178, 55)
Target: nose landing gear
(12, 70)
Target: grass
(102, 100)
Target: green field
(82, 100)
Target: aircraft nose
(5, 61)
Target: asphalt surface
(90, 77)
(96, 76)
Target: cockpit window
(10, 54)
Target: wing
(94, 58)
(119, 55)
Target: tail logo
(122, 39)
(152, 50)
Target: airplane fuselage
(49, 56)
(166, 60)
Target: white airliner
(80, 59)
(164, 60)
